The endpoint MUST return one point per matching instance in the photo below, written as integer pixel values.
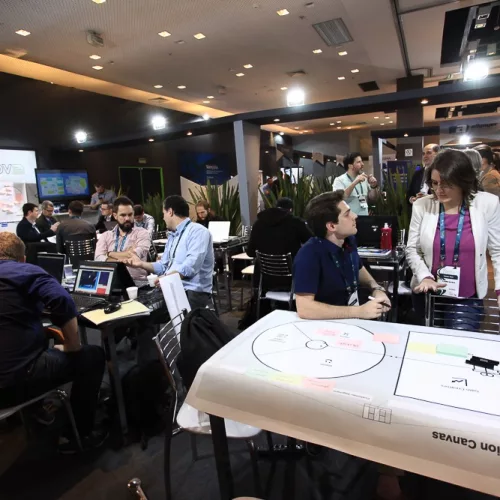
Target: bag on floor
(202, 335)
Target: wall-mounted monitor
(56, 185)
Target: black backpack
(202, 335)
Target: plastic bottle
(386, 237)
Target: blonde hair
(11, 247)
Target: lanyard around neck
(442, 237)
(350, 287)
(122, 246)
(171, 258)
(356, 186)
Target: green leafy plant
(224, 200)
(154, 207)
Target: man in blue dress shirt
(189, 252)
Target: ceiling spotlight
(301, 133)
(99, 1)
(464, 139)
(349, 128)
(476, 70)
(80, 150)
(189, 133)
(355, 70)
(240, 74)
(387, 117)
(406, 135)
(206, 116)
(339, 127)
(158, 86)
(339, 121)
(390, 122)
(164, 34)
(343, 53)
(23, 32)
(276, 119)
(282, 133)
(332, 124)
(151, 140)
(424, 101)
(376, 117)
(295, 97)
(267, 152)
(199, 36)
(284, 88)
(95, 57)
(282, 12)
(210, 96)
(206, 102)
(98, 68)
(317, 51)
(341, 78)
(159, 122)
(181, 87)
(382, 123)
(296, 128)
(81, 137)
(247, 66)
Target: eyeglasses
(440, 185)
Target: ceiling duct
(369, 86)
(158, 100)
(333, 32)
(295, 74)
(95, 39)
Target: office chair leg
(194, 447)
(63, 396)
(255, 467)
(134, 486)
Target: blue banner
(203, 167)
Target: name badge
(362, 201)
(353, 299)
(451, 276)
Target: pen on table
(383, 303)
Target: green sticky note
(459, 351)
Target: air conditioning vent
(158, 100)
(369, 86)
(298, 73)
(333, 32)
(16, 53)
(362, 123)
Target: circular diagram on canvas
(318, 349)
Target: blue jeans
(54, 368)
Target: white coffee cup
(132, 292)
(152, 279)
(68, 271)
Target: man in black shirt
(27, 229)
(46, 218)
(73, 226)
(204, 214)
(106, 216)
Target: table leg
(114, 375)
(83, 334)
(222, 461)
(395, 293)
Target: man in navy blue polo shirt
(328, 271)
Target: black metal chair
(80, 247)
(277, 267)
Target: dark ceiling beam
(397, 133)
(398, 24)
(411, 10)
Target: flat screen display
(57, 184)
(94, 281)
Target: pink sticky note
(388, 338)
(349, 344)
(328, 332)
(318, 384)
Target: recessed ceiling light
(282, 133)
(267, 152)
(301, 133)
(151, 140)
(99, 1)
(199, 36)
(23, 32)
(339, 127)
(317, 51)
(332, 124)
(282, 12)
(349, 128)
(306, 130)
(206, 102)
(159, 122)
(406, 135)
(341, 78)
(80, 150)
(98, 68)
(284, 88)
(303, 156)
(95, 57)
(240, 74)
(158, 86)
(276, 119)
(382, 123)
(210, 96)
(343, 53)
(339, 121)
(387, 117)
(181, 87)
(376, 117)
(164, 34)
(296, 128)
(424, 101)
(247, 66)
(189, 133)
(355, 70)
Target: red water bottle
(386, 237)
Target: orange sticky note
(349, 343)
(319, 384)
(388, 338)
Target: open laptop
(93, 285)
(121, 276)
(52, 263)
(219, 230)
(369, 230)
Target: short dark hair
(76, 207)
(11, 247)
(178, 204)
(122, 200)
(323, 209)
(350, 158)
(491, 155)
(107, 203)
(285, 203)
(98, 184)
(138, 210)
(456, 169)
(28, 207)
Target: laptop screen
(52, 263)
(219, 230)
(94, 281)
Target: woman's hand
(428, 285)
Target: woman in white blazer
(456, 202)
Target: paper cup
(152, 280)
(132, 292)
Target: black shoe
(91, 442)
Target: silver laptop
(219, 230)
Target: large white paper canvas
(174, 295)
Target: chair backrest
(160, 235)
(275, 265)
(462, 314)
(80, 247)
(152, 254)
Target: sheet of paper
(133, 308)
(175, 296)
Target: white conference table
(401, 395)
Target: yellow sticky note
(422, 347)
(287, 378)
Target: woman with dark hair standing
(490, 176)
(450, 232)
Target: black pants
(199, 299)
(53, 368)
